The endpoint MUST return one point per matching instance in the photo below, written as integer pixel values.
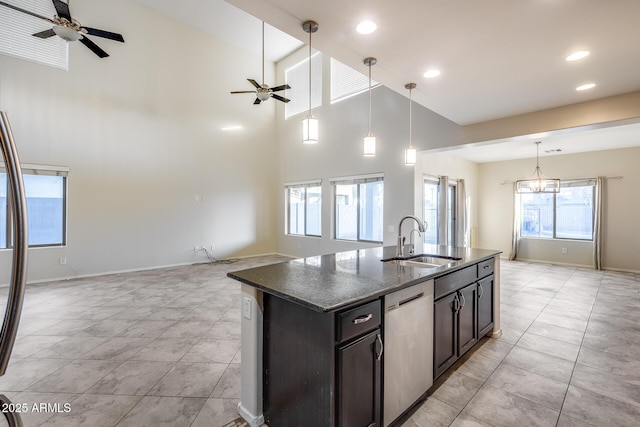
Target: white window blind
(298, 78)
(347, 82)
(17, 29)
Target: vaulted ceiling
(498, 58)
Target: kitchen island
(313, 329)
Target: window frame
(317, 60)
(351, 78)
(589, 182)
(301, 185)
(357, 181)
(38, 170)
(16, 40)
(448, 211)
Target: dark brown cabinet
(455, 327)
(467, 318)
(445, 344)
(359, 372)
(485, 305)
(463, 312)
(322, 369)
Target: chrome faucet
(412, 245)
(400, 246)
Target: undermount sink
(419, 264)
(424, 260)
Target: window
(16, 29)
(46, 193)
(564, 215)
(347, 82)
(430, 209)
(438, 207)
(304, 208)
(298, 78)
(359, 203)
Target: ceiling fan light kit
(67, 33)
(369, 141)
(69, 29)
(310, 125)
(540, 183)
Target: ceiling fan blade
(280, 98)
(94, 47)
(10, 6)
(279, 88)
(63, 9)
(257, 101)
(45, 34)
(104, 34)
(244, 91)
(255, 83)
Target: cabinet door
(485, 306)
(359, 382)
(444, 333)
(467, 319)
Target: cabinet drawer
(446, 284)
(359, 320)
(485, 268)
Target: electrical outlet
(63, 260)
(246, 308)
(565, 250)
(213, 247)
(196, 248)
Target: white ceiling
(570, 142)
(228, 23)
(498, 58)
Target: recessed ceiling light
(366, 27)
(432, 73)
(586, 86)
(577, 55)
(230, 128)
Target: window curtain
(461, 215)
(515, 236)
(443, 193)
(597, 223)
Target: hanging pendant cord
(410, 104)
(310, 31)
(370, 98)
(263, 53)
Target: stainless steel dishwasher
(408, 347)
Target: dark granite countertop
(331, 282)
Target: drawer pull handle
(362, 319)
(486, 267)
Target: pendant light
(310, 123)
(410, 153)
(369, 142)
(538, 184)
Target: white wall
(140, 132)
(339, 153)
(621, 228)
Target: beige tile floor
(161, 348)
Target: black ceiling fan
(69, 29)
(264, 92)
